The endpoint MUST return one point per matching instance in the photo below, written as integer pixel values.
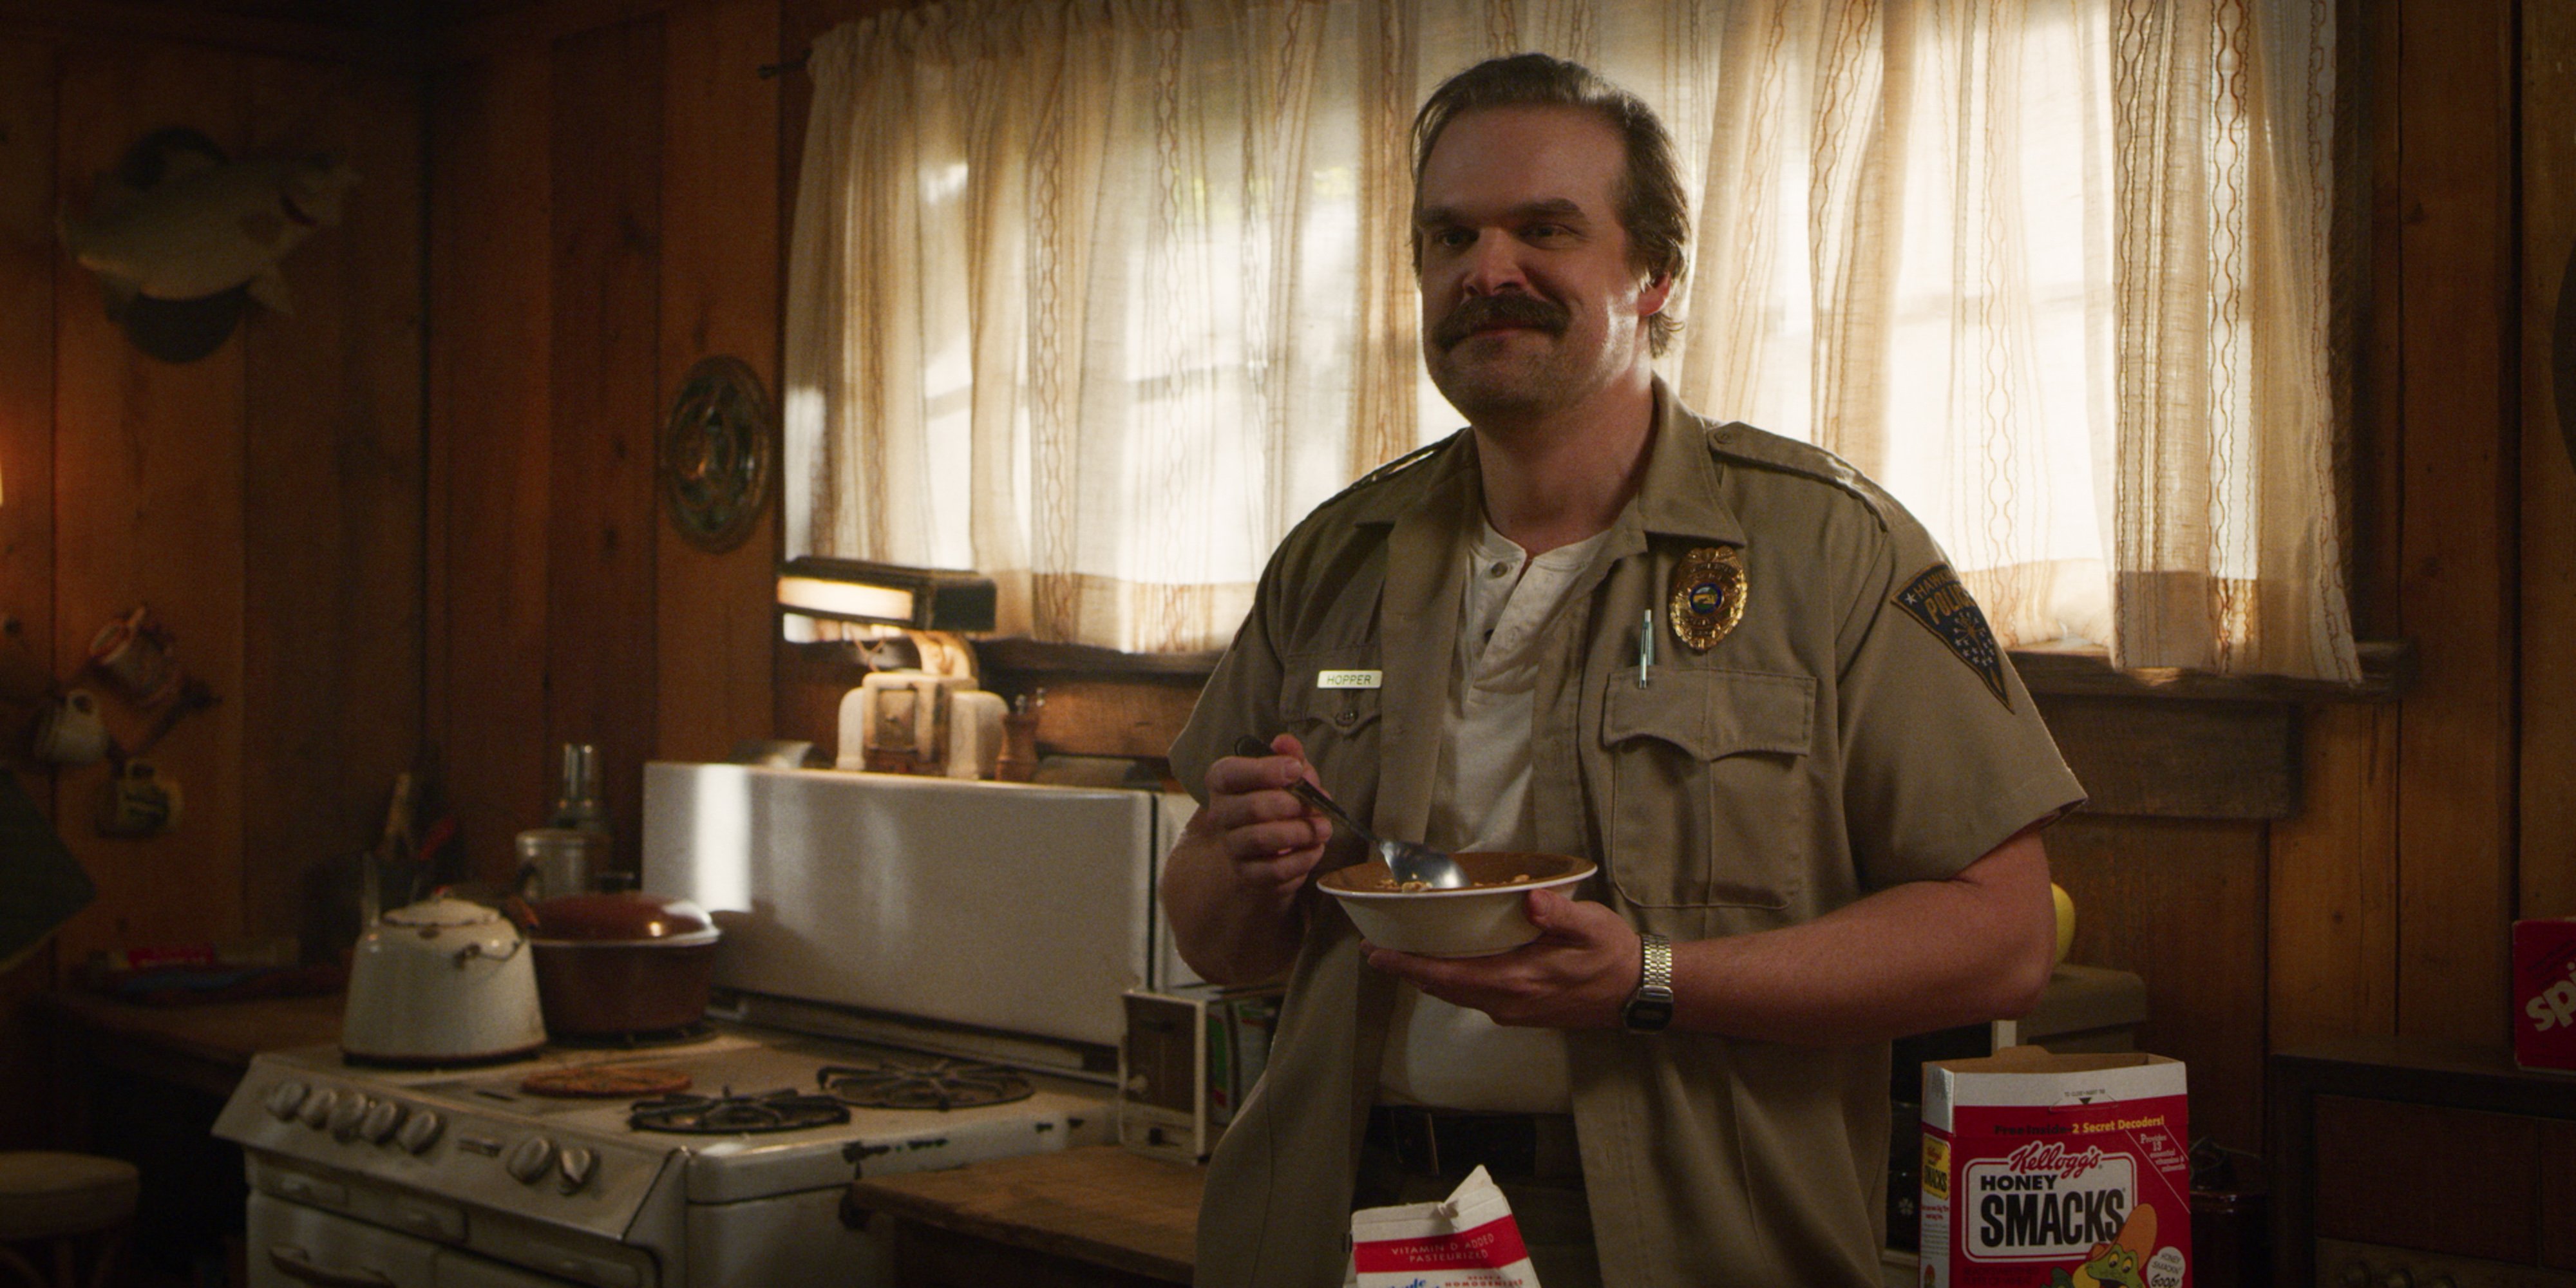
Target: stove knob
(382, 1117)
(419, 1131)
(317, 1108)
(287, 1097)
(534, 1157)
(578, 1166)
(346, 1116)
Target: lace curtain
(1100, 297)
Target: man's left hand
(1577, 974)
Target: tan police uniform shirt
(1856, 729)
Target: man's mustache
(1481, 311)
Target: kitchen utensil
(1407, 860)
(392, 848)
(617, 964)
(559, 861)
(71, 732)
(578, 801)
(441, 981)
(1018, 762)
(1490, 916)
(899, 722)
(133, 652)
(138, 800)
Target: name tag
(1349, 679)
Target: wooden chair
(65, 1200)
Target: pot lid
(443, 910)
(622, 919)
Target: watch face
(1646, 1014)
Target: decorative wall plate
(719, 454)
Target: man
(1733, 673)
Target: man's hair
(1649, 199)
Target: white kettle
(441, 981)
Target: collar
(1676, 497)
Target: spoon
(1406, 860)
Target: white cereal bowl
(1489, 917)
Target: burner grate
(943, 1084)
(781, 1110)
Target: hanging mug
(70, 731)
(134, 652)
(138, 801)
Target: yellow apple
(2065, 918)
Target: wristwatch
(1650, 1008)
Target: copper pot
(610, 965)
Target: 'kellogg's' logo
(2054, 1158)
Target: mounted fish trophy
(181, 237)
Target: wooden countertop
(205, 1046)
(1100, 1204)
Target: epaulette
(1737, 441)
(1390, 469)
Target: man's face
(1529, 300)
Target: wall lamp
(857, 590)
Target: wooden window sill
(2145, 743)
(2387, 666)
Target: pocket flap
(1712, 714)
(1333, 688)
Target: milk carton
(2056, 1171)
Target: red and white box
(2544, 993)
(2040, 1168)
(1468, 1240)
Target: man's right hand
(1231, 885)
(1270, 838)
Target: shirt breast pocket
(1330, 701)
(1710, 800)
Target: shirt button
(1347, 719)
(1498, 570)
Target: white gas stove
(424, 1176)
(480, 1178)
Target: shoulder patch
(1736, 441)
(1937, 600)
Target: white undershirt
(1436, 1053)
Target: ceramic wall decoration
(718, 454)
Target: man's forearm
(1224, 936)
(1909, 959)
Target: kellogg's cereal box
(2544, 993)
(2056, 1171)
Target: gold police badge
(1708, 596)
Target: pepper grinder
(1019, 761)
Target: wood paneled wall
(605, 211)
(264, 501)
(2547, 800)
(2434, 822)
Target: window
(1099, 298)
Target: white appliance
(870, 920)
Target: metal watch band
(1650, 1008)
